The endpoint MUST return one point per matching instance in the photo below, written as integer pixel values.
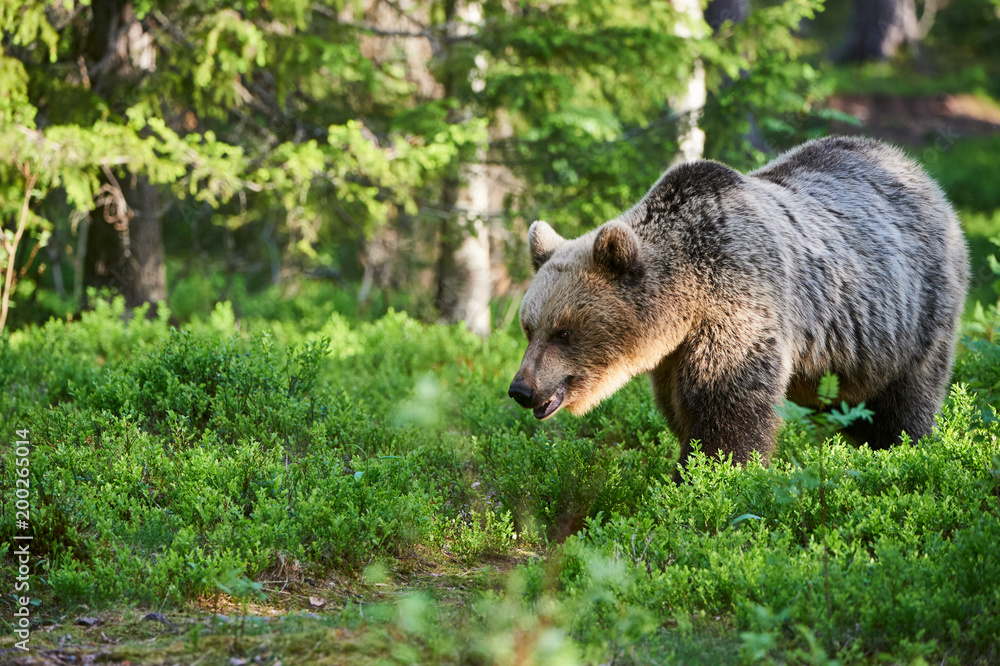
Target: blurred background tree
(880, 27)
(392, 152)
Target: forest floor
(302, 621)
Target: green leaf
(829, 387)
(790, 411)
(745, 516)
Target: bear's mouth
(552, 405)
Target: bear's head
(590, 317)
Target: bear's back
(848, 175)
(878, 265)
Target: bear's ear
(542, 242)
(616, 248)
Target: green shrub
(907, 553)
(168, 464)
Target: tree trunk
(690, 103)
(80, 258)
(145, 271)
(717, 13)
(880, 28)
(465, 278)
(720, 11)
(128, 255)
(59, 211)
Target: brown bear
(733, 291)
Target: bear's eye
(562, 335)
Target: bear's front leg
(723, 397)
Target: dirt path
(917, 121)
(335, 621)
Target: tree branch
(403, 14)
(11, 246)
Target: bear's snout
(531, 399)
(521, 392)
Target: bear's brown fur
(735, 290)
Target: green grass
(966, 170)
(380, 468)
(980, 230)
(909, 78)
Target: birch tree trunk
(465, 278)
(690, 137)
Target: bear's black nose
(521, 393)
